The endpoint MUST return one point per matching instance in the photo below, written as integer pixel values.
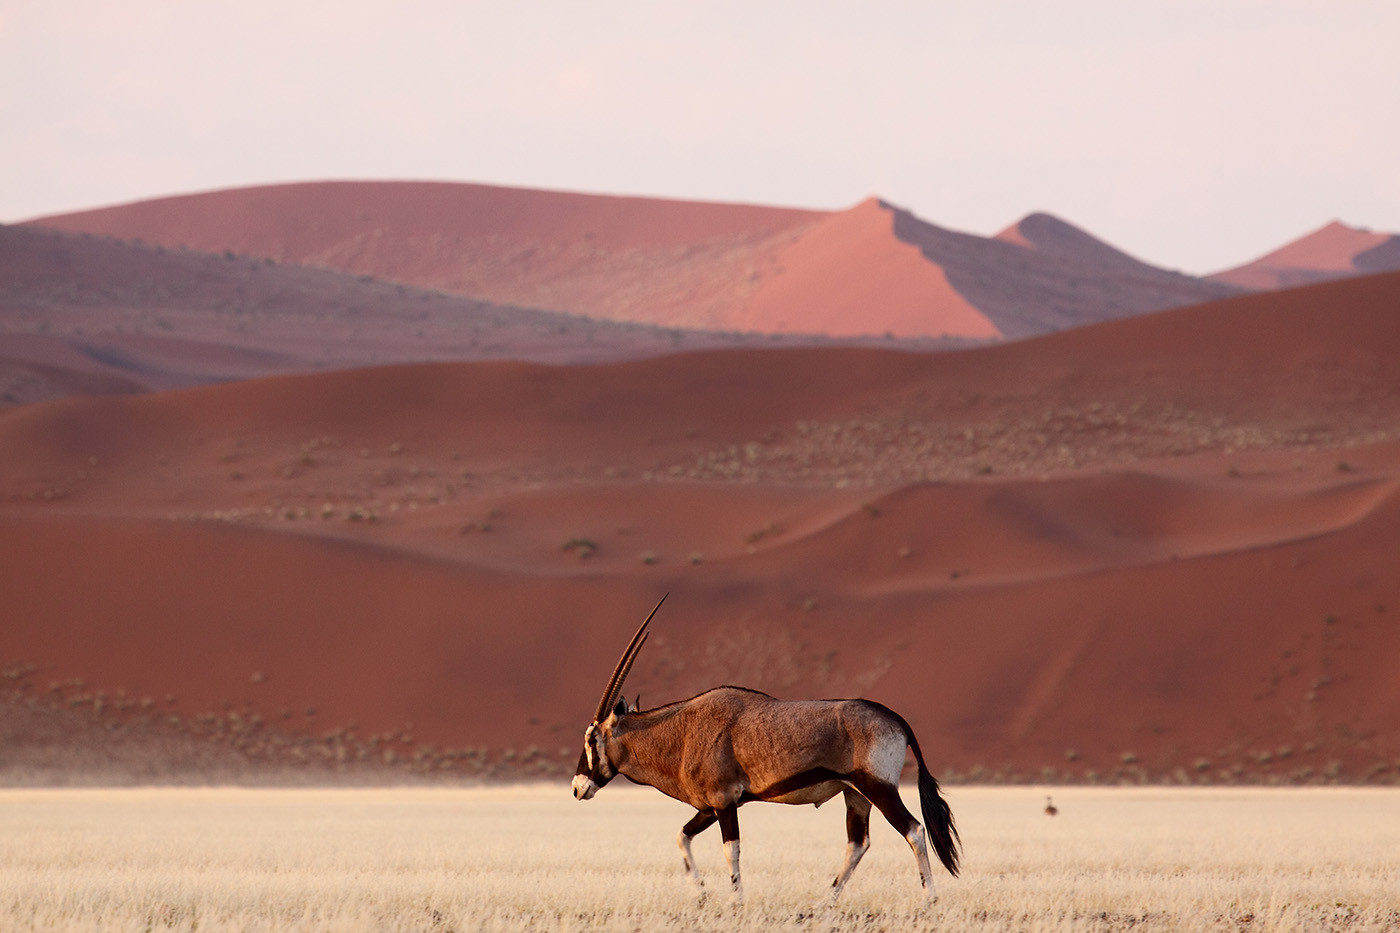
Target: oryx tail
(938, 818)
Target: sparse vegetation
(909, 446)
(770, 530)
(525, 858)
(583, 547)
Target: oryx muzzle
(730, 745)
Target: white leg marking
(917, 842)
(684, 842)
(731, 855)
(854, 852)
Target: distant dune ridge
(90, 315)
(247, 282)
(872, 270)
(1334, 251)
(1156, 548)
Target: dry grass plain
(531, 858)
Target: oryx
(730, 745)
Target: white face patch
(593, 749)
(598, 765)
(588, 735)
(584, 788)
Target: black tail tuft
(938, 819)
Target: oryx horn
(624, 665)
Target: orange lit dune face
(1156, 547)
(89, 315)
(850, 275)
(871, 270)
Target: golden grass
(532, 858)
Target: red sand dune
(871, 270)
(87, 315)
(1160, 547)
(1334, 251)
(849, 274)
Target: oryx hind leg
(701, 821)
(857, 838)
(885, 797)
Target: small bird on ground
(1050, 808)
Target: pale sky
(1194, 135)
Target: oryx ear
(638, 705)
(621, 708)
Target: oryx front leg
(729, 829)
(857, 839)
(701, 821)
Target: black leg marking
(886, 798)
(729, 829)
(857, 819)
(701, 821)
(728, 823)
(857, 838)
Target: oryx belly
(817, 794)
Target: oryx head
(594, 767)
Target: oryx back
(731, 744)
